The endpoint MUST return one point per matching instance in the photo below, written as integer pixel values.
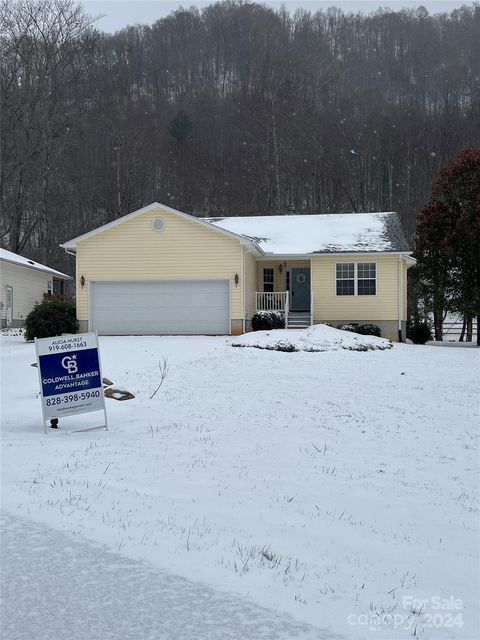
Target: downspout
(74, 253)
(399, 297)
(242, 281)
(244, 284)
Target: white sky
(119, 13)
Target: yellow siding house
(161, 271)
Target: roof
(72, 244)
(320, 233)
(294, 234)
(14, 258)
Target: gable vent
(158, 224)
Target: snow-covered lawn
(336, 486)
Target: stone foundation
(389, 328)
(237, 327)
(83, 326)
(17, 323)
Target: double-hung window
(366, 278)
(268, 280)
(356, 278)
(346, 279)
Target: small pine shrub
(369, 330)
(49, 319)
(265, 320)
(419, 332)
(347, 327)
(286, 347)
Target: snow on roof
(9, 256)
(320, 233)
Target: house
(23, 283)
(161, 271)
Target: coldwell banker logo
(70, 364)
(69, 372)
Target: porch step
(298, 320)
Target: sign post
(70, 376)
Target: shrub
(265, 320)
(419, 332)
(347, 327)
(369, 330)
(278, 320)
(49, 319)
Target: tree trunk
(464, 326)
(469, 329)
(278, 199)
(478, 331)
(438, 324)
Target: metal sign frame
(71, 384)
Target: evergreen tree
(433, 273)
(180, 128)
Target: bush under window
(348, 327)
(362, 329)
(369, 330)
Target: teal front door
(300, 289)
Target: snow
(9, 256)
(319, 337)
(333, 487)
(306, 234)
(76, 590)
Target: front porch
(295, 301)
(279, 301)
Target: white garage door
(155, 307)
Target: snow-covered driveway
(56, 587)
(332, 486)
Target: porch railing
(273, 301)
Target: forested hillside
(234, 110)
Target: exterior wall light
(237, 279)
(280, 267)
(82, 281)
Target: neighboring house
(23, 283)
(161, 271)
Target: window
(268, 279)
(287, 280)
(356, 278)
(346, 279)
(366, 278)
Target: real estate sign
(70, 376)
